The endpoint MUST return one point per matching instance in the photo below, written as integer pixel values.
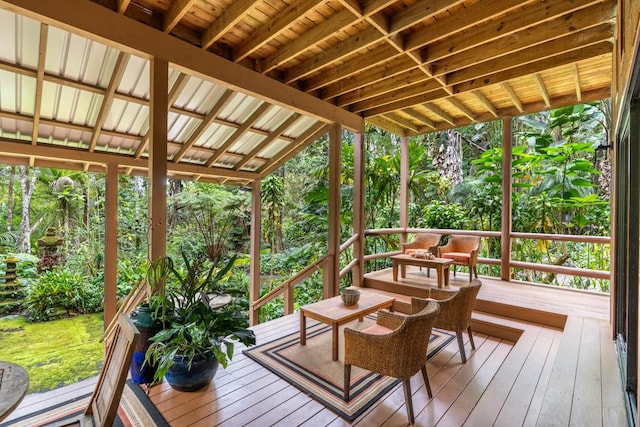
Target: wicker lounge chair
(395, 346)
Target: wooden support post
(404, 189)
(505, 254)
(111, 243)
(332, 287)
(158, 114)
(358, 206)
(254, 250)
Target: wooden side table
(14, 383)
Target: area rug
(311, 369)
(135, 410)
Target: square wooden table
(441, 265)
(333, 312)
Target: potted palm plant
(199, 331)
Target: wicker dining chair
(463, 250)
(395, 346)
(455, 311)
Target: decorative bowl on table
(350, 296)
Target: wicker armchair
(422, 242)
(395, 346)
(463, 250)
(455, 311)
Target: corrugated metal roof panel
(135, 79)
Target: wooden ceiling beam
(564, 58)
(399, 68)
(397, 83)
(439, 112)
(352, 67)
(405, 123)
(401, 98)
(533, 15)
(364, 39)
(42, 54)
(382, 28)
(78, 157)
(461, 107)
(123, 5)
(272, 29)
(315, 35)
(176, 12)
(388, 125)
(572, 32)
(512, 95)
(468, 17)
(311, 134)
(244, 128)
(419, 11)
(576, 79)
(223, 101)
(270, 138)
(107, 100)
(542, 89)
(485, 101)
(404, 103)
(426, 121)
(532, 58)
(229, 18)
(558, 102)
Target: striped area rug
(311, 369)
(135, 410)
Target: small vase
(202, 371)
(142, 318)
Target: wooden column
(505, 254)
(332, 273)
(404, 188)
(254, 250)
(358, 206)
(110, 243)
(158, 113)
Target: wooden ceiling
(409, 66)
(253, 82)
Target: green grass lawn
(55, 353)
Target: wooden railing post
(254, 251)
(505, 253)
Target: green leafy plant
(59, 293)
(184, 305)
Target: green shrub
(443, 216)
(59, 293)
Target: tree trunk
(27, 185)
(10, 185)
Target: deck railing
(286, 288)
(513, 264)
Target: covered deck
(560, 369)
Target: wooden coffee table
(334, 313)
(441, 265)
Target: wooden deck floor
(545, 378)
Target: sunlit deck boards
(502, 384)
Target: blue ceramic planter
(200, 375)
